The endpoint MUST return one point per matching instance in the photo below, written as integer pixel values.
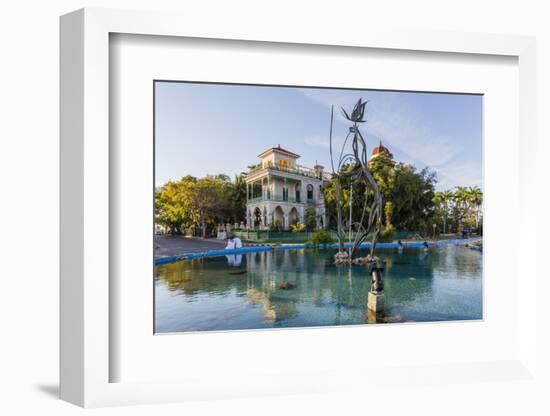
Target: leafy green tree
(386, 236)
(388, 212)
(409, 191)
(476, 199)
(414, 203)
(461, 207)
(238, 198)
(310, 221)
(411, 194)
(211, 198)
(357, 201)
(442, 201)
(200, 204)
(173, 208)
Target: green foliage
(409, 191)
(320, 237)
(199, 204)
(410, 200)
(388, 211)
(459, 208)
(310, 221)
(297, 227)
(238, 198)
(442, 201)
(172, 207)
(276, 226)
(386, 236)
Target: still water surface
(243, 292)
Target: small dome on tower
(381, 149)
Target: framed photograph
(247, 238)
(312, 204)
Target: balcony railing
(298, 170)
(280, 198)
(275, 198)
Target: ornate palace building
(278, 191)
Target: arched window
(310, 192)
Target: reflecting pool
(302, 288)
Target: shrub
(388, 212)
(297, 227)
(309, 219)
(275, 226)
(386, 236)
(320, 237)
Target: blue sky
(213, 128)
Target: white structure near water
(278, 191)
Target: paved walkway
(166, 245)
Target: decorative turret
(277, 156)
(318, 170)
(379, 150)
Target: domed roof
(381, 149)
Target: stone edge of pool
(217, 253)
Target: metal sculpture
(354, 166)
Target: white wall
(29, 172)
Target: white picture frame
(86, 355)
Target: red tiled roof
(380, 148)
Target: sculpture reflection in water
(352, 167)
(300, 288)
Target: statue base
(375, 317)
(375, 301)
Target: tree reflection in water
(295, 288)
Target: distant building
(380, 149)
(278, 191)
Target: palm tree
(461, 199)
(476, 199)
(448, 198)
(238, 196)
(442, 199)
(438, 200)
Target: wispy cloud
(317, 141)
(405, 130)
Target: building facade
(279, 191)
